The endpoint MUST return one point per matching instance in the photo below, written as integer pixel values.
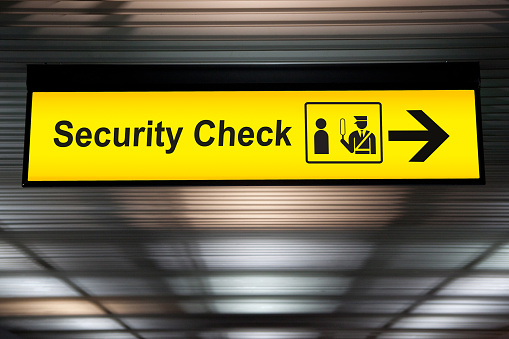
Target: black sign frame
(256, 77)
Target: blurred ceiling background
(384, 262)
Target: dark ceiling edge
(260, 77)
(7, 335)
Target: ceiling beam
(7, 335)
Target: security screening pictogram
(341, 133)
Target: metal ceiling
(382, 262)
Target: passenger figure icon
(321, 138)
(361, 141)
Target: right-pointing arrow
(433, 134)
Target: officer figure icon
(321, 138)
(361, 141)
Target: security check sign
(253, 136)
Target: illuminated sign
(237, 133)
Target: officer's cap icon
(361, 118)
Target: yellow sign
(253, 135)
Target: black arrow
(434, 136)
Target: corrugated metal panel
(255, 262)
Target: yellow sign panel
(253, 135)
